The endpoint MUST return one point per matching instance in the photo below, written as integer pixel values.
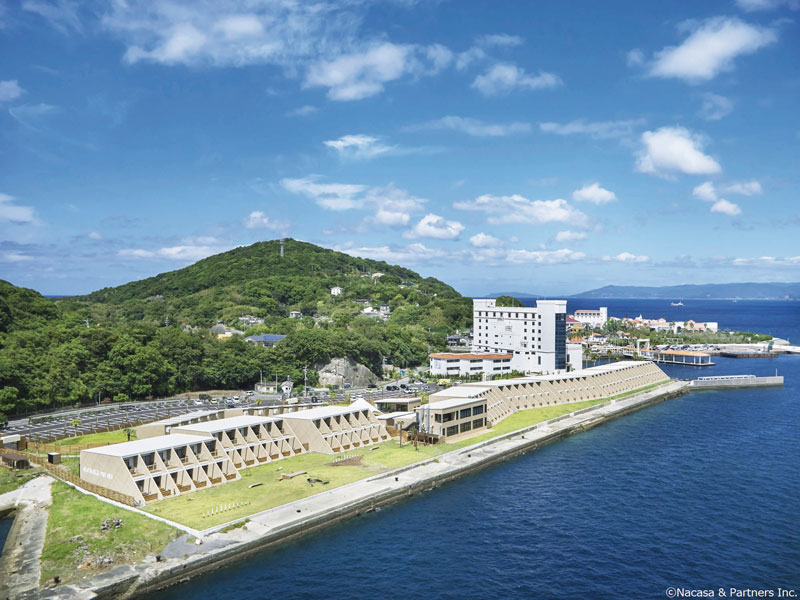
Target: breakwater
(291, 521)
(736, 381)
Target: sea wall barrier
(302, 517)
(727, 382)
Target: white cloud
(10, 90)
(671, 149)
(755, 5)
(358, 146)
(60, 14)
(503, 78)
(627, 257)
(240, 26)
(435, 227)
(393, 206)
(413, 253)
(597, 130)
(485, 240)
(14, 257)
(710, 49)
(188, 252)
(707, 192)
(634, 58)
(715, 107)
(744, 188)
(726, 208)
(31, 115)
(767, 261)
(474, 127)
(570, 236)
(11, 212)
(332, 196)
(594, 193)
(363, 74)
(547, 257)
(302, 111)
(94, 235)
(259, 220)
(500, 39)
(518, 209)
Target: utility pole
(305, 382)
(281, 247)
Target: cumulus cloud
(627, 257)
(594, 193)
(363, 74)
(570, 236)
(435, 227)
(715, 107)
(11, 212)
(635, 57)
(393, 206)
(14, 257)
(518, 209)
(674, 149)
(259, 220)
(500, 39)
(767, 261)
(708, 193)
(485, 240)
(474, 127)
(726, 208)
(358, 146)
(503, 78)
(412, 253)
(597, 130)
(710, 49)
(10, 90)
(331, 196)
(743, 188)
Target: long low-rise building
(332, 429)
(452, 412)
(158, 467)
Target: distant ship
(678, 303)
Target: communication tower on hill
(281, 247)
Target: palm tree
(75, 423)
(130, 432)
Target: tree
(75, 423)
(130, 432)
(121, 397)
(508, 301)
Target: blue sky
(523, 146)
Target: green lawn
(74, 543)
(188, 509)
(11, 480)
(104, 437)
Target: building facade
(536, 337)
(456, 364)
(453, 418)
(592, 318)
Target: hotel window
(452, 430)
(477, 410)
(477, 423)
(465, 427)
(464, 413)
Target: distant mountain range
(708, 291)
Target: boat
(678, 303)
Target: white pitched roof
(154, 444)
(450, 403)
(229, 423)
(323, 412)
(461, 391)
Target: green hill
(152, 337)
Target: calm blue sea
(701, 492)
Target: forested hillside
(152, 338)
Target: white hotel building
(534, 336)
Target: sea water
(698, 493)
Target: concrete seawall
(296, 519)
(708, 384)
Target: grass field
(189, 508)
(75, 546)
(11, 480)
(104, 437)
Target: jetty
(735, 381)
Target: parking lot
(116, 416)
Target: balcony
(150, 497)
(153, 467)
(216, 480)
(200, 484)
(184, 488)
(231, 476)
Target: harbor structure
(534, 336)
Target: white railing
(725, 377)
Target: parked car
(197, 402)
(403, 386)
(230, 403)
(391, 388)
(371, 386)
